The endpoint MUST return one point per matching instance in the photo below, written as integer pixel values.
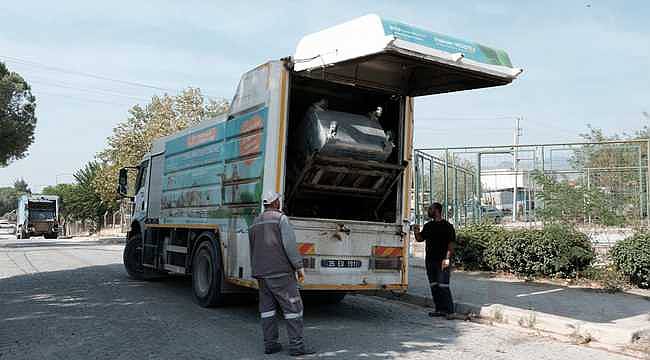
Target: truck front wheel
(133, 258)
(207, 276)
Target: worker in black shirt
(439, 236)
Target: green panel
(452, 45)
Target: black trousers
(439, 282)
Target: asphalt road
(71, 299)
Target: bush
(471, 242)
(631, 256)
(608, 277)
(553, 251)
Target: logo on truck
(250, 144)
(202, 137)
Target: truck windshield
(41, 214)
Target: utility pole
(515, 165)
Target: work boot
(277, 347)
(302, 351)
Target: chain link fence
(599, 187)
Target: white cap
(269, 197)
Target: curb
(612, 336)
(112, 240)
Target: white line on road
(540, 292)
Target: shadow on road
(97, 312)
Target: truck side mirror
(122, 183)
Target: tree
(132, 138)
(564, 202)
(17, 118)
(9, 196)
(613, 168)
(85, 202)
(22, 187)
(65, 192)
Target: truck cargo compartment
(344, 150)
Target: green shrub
(631, 256)
(609, 278)
(553, 251)
(471, 242)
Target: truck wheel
(207, 276)
(133, 258)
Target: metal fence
(113, 222)
(505, 183)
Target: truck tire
(132, 258)
(207, 276)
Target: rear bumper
(331, 287)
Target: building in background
(498, 184)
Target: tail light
(305, 250)
(386, 258)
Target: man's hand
(445, 264)
(300, 275)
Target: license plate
(332, 263)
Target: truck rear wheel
(207, 276)
(133, 258)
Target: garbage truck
(37, 215)
(330, 129)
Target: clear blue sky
(585, 62)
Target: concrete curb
(612, 336)
(112, 240)
(618, 336)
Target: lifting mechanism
(324, 175)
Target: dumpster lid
(396, 57)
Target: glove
(445, 264)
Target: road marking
(540, 292)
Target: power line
(82, 99)
(80, 73)
(99, 91)
(95, 76)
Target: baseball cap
(269, 197)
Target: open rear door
(373, 52)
